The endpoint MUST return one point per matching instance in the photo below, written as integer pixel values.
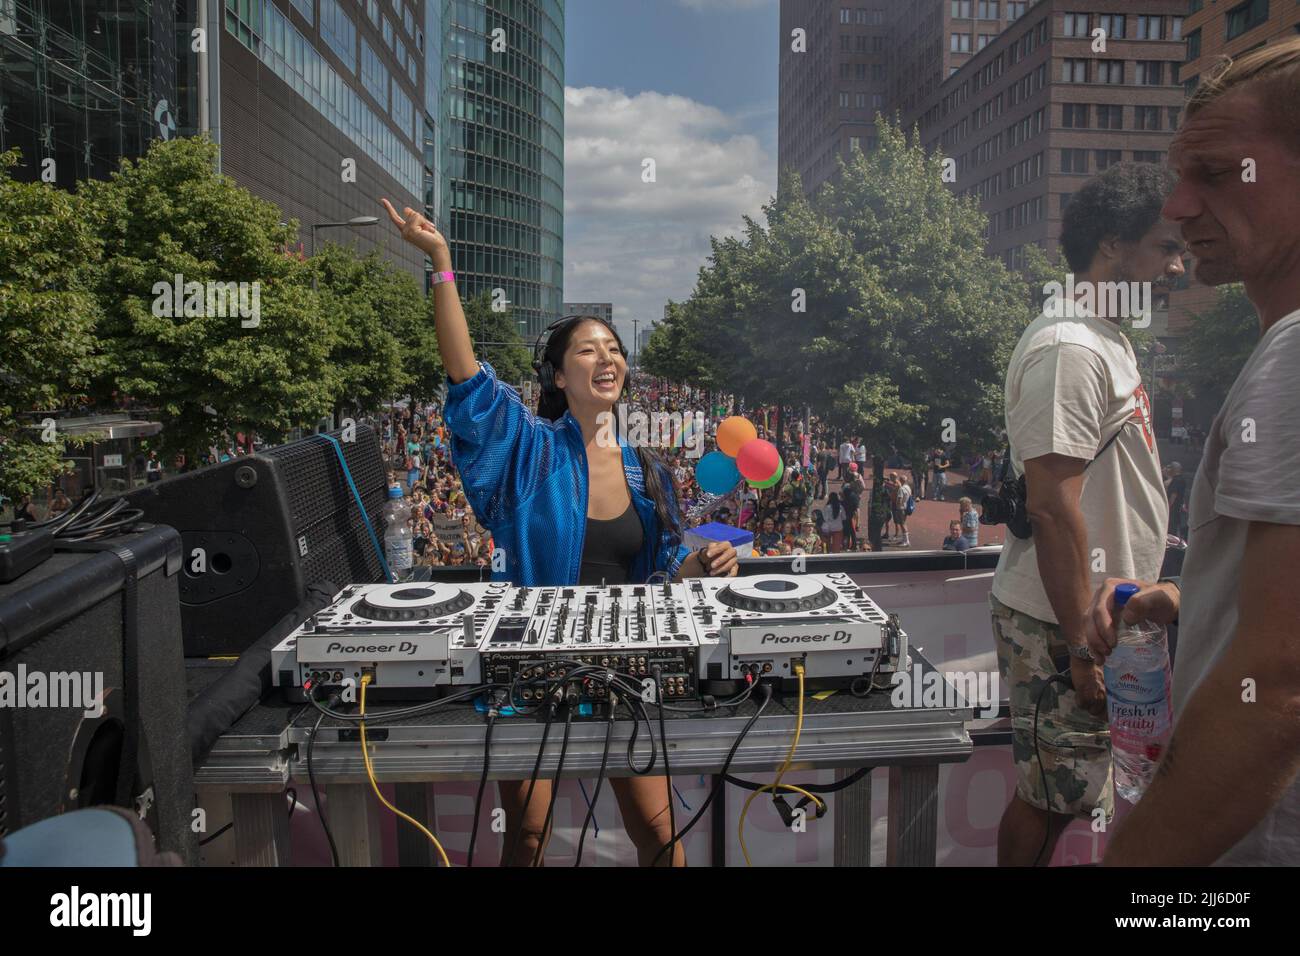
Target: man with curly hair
(1079, 426)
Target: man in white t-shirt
(1079, 426)
(846, 456)
(1226, 788)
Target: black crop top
(610, 547)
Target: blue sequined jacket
(526, 479)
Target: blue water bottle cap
(395, 491)
(1123, 592)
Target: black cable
(532, 783)
(315, 793)
(291, 793)
(636, 705)
(819, 788)
(569, 707)
(482, 781)
(766, 693)
(1063, 678)
(208, 839)
(373, 717)
(600, 777)
(668, 772)
(90, 519)
(871, 681)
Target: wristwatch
(1081, 651)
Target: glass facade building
(389, 134)
(311, 88)
(86, 82)
(505, 152)
(436, 192)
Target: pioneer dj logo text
(839, 637)
(951, 690)
(82, 691)
(409, 648)
(76, 909)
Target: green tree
(413, 324)
(674, 352)
(171, 214)
(497, 341)
(1218, 344)
(366, 357)
(906, 322)
(48, 314)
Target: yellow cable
(800, 790)
(370, 772)
(776, 784)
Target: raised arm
(449, 319)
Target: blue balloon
(717, 473)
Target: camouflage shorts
(1073, 744)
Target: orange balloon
(733, 433)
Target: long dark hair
(834, 502)
(552, 404)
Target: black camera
(1009, 507)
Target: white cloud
(639, 244)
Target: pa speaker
(92, 688)
(257, 531)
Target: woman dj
(565, 504)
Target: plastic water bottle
(397, 535)
(1137, 694)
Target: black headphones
(542, 365)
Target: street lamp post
(354, 222)
(636, 340)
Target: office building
(85, 83)
(1217, 29)
(930, 40)
(601, 310)
(504, 87)
(832, 70)
(323, 108)
(1037, 113)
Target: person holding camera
(1089, 503)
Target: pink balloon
(757, 459)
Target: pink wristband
(440, 277)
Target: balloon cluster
(741, 454)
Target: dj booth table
(250, 767)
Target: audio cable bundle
(557, 699)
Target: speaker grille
(323, 511)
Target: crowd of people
(827, 502)
(444, 529)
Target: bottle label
(1138, 703)
(399, 554)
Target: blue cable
(356, 496)
(680, 798)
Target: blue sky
(691, 84)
